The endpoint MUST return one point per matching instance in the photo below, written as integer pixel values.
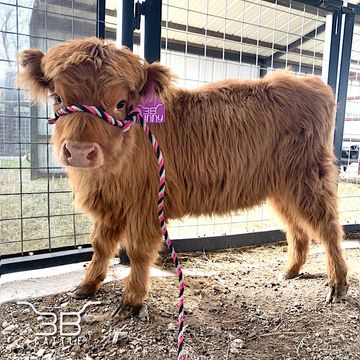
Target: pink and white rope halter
(133, 117)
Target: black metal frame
(334, 50)
(131, 21)
(69, 255)
(128, 23)
(152, 30)
(44, 259)
(100, 18)
(343, 82)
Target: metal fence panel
(202, 41)
(35, 200)
(206, 41)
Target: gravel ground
(240, 309)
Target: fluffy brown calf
(227, 146)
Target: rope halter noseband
(133, 117)
(124, 125)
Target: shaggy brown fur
(227, 146)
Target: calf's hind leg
(297, 237)
(317, 204)
(323, 219)
(105, 243)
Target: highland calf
(227, 146)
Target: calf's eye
(120, 105)
(57, 99)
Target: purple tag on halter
(152, 108)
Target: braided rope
(168, 242)
(132, 118)
(124, 125)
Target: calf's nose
(79, 154)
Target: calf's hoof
(84, 291)
(290, 274)
(336, 293)
(124, 310)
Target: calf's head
(91, 72)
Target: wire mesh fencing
(206, 41)
(35, 199)
(202, 41)
(350, 159)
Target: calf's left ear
(31, 76)
(157, 76)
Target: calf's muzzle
(80, 154)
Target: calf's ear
(157, 76)
(31, 76)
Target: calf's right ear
(31, 76)
(157, 76)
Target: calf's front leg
(105, 242)
(142, 247)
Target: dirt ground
(237, 308)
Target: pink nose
(79, 154)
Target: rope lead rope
(133, 117)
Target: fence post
(333, 67)
(100, 19)
(127, 33)
(152, 30)
(343, 82)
